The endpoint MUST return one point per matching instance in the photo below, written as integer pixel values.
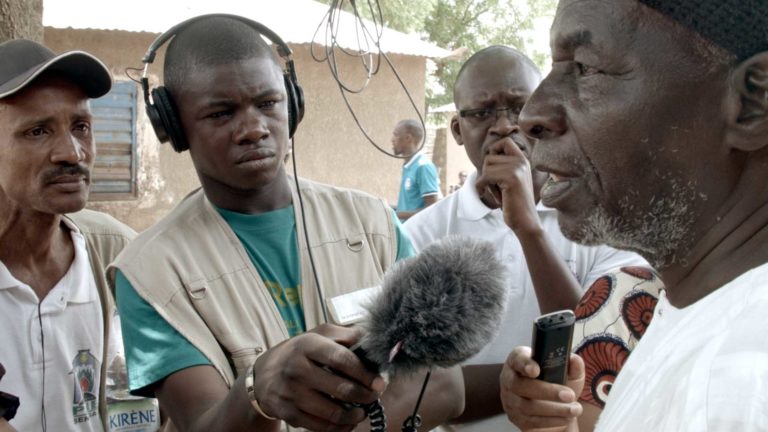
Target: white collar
(77, 276)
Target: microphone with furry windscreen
(436, 309)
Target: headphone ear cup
(154, 119)
(170, 124)
(295, 103)
(299, 94)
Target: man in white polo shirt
(55, 307)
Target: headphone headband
(282, 48)
(161, 109)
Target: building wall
(453, 157)
(439, 155)
(329, 147)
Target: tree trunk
(21, 19)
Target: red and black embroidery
(639, 272)
(637, 312)
(603, 355)
(595, 297)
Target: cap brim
(88, 72)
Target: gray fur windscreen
(443, 305)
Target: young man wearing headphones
(226, 294)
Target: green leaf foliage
(476, 24)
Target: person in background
(227, 307)
(419, 183)
(462, 179)
(55, 303)
(653, 125)
(500, 203)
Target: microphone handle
(363, 356)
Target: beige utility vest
(105, 237)
(194, 271)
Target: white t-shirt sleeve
(608, 259)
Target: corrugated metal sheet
(295, 21)
(447, 108)
(114, 125)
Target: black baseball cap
(22, 60)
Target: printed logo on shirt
(284, 296)
(288, 302)
(408, 183)
(85, 374)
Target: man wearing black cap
(653, 125)
(55, 308)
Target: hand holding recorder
(543, 394)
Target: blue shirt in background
(419, 179)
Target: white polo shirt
(463, 213)
(67, 384)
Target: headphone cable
(332, 23)
(43, 418)
(306, 233)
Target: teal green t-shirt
(154, 349)
(270, 240)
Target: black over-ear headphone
(161, 109)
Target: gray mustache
(67, 170)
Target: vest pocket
(243, 359)
(234, 310)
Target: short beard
(660, 233)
